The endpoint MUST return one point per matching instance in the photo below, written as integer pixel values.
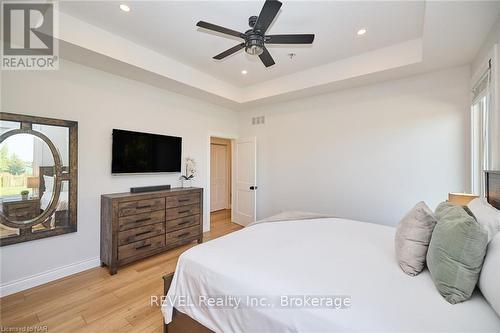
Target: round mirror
(30, 178)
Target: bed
(61, 217)
(320, 257)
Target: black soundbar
(149, 188)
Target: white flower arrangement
(190, 169)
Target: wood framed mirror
(38, 177)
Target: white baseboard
(48, 276)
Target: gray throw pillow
(413, 235)
(456, 253)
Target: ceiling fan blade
(266, 58)
(213, 27)
(230, 51)
(290, 39)
(267, 15)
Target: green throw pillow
(456, 252)
(444, 207)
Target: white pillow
(49, 183)
(489, 280)
(487, 216)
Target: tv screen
(135, 152)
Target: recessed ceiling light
(361, 32)
(244, 72)
(125, 7)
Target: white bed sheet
(319, 257)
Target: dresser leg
(112, 270)
(200, 240)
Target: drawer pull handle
(183, 211)
(142, 233)
(184, 200)
(183, 235)
(143, 220)
(144, 206)
(142, 246)
(181, 223)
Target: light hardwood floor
(94, 301)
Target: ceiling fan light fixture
(254, 46)
(254, 50)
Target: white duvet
(317, 257)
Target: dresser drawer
(183, 222)
(141, 247)
(139, 220)
(182, 235)
(22, 210)
(183, 200)
(183, 211)
(22, 214)
(141, 206)
(137, 234)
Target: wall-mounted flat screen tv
(135, 152)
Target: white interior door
(218, 177)
(245, 175)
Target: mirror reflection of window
(8, 125)
(59, 137)
(22, 156)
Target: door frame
(228, 157)
(232, 138)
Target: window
(480, 131)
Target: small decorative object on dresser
(190, 172)
(25, 194)
(135, 226)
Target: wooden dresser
(20, 210)
(138, 225)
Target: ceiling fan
(255, 38)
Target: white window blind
(480, 130)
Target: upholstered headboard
(47, 171)
(493, 188)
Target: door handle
(253, 188)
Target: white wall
(484, 53)
(367, 153)
(100, 102)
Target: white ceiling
(169, 27)
(158, 43)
